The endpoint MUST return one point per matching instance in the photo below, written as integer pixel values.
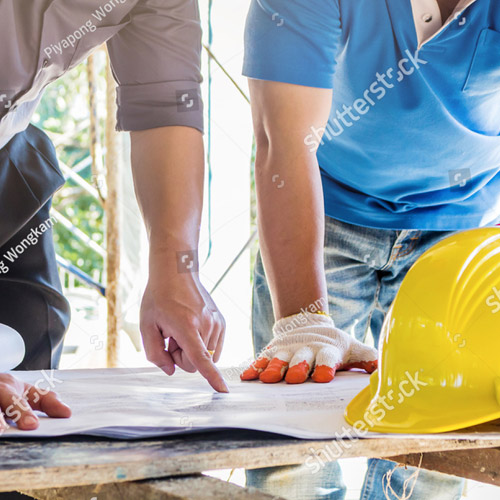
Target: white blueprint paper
(123, 403)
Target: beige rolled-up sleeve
(156, 61)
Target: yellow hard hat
(439, 352)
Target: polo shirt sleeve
(156, 60)
(292, 41)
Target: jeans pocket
(484, 73)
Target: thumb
(362, 356)
(361, 352)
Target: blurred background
(73, 113)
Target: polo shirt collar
(427, 18)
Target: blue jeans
(364, 269)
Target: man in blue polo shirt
(385, 116)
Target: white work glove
(308, 341)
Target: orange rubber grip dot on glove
(298, 374)
(367, 366)
(323, 374)
(274, 372)
(255, 369)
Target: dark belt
(29, 176)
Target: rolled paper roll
(12, 348)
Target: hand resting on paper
(18, 400)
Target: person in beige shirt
(155, 51)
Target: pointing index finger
(202, 360)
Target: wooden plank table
(169, 468)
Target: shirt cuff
(153, 105)
(306, 77)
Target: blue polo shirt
(413, 139)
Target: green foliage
(64, 114)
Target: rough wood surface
(82, 461)
(183, 488)
(479, 465)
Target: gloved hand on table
(308, 341)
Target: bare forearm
(289, 193)
(168, 167)
(291, 228)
